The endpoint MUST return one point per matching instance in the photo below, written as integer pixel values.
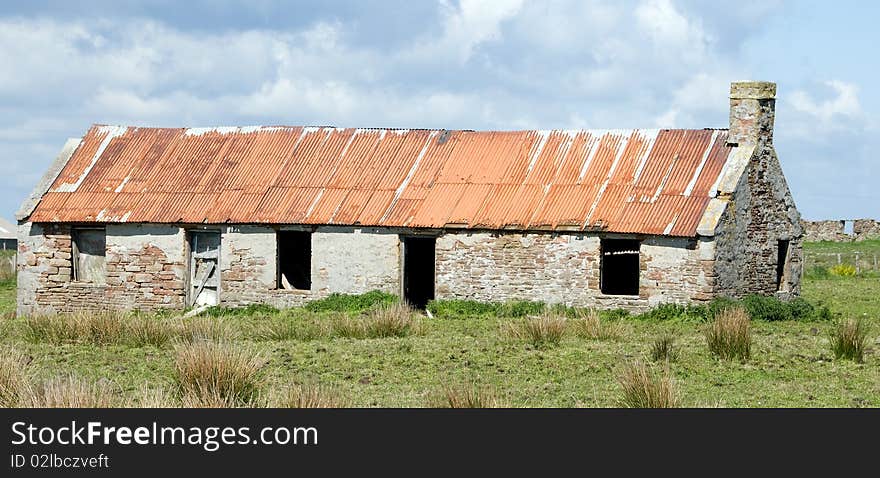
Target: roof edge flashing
(42, 187)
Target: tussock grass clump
(642, 387)
(729, 335)
(849, 338)
(54, 329)
(100, 328)
(200, 329)
(545, 330)
(589, 324)
(289, 328)
(465, 396)
(141, 331)
(154, 397)
(663, 349)
(215, 373)
(394, 320)
(13, 381)
(69, 392)
(310, 395)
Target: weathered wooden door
(204, 268)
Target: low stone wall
(835, 230)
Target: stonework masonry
(564, 268)
(145, 270)
(760, 212)
(344, 260)
(835, 230)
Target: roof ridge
(248, 128)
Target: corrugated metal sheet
(634, 181)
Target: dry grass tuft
(465, 396)
(100, 328)
(290, 328)
(69, 392)
(202, 329)
(393, 320)
(153, 397)
(589, 325)
(663, 349)
(729, 335)
(310, 395)
(849, 338)
(13, 380)
(644, 388)
(214, 373)
(142, 331)
(545, 330)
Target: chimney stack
(752, 110)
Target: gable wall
(760, 212)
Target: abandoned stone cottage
(146, 218)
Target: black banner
(133, 442)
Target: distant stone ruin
(843, 230)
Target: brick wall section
(140, 274)
(564, 268)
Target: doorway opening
(294, 260)
(204, 270)
(781, 265)
(418, 270)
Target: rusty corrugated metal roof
(631, 181)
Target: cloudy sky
(482, 64)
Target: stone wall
(759, 214)
(344, 260)
(145, 270)
(835, 230)
(564, 268)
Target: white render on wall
(354, 261)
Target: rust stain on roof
(632, 181)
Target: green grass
(7, 297)
(791, 362)
(821, 258)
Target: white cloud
(478, 64)
(844, 104)
(465, 26)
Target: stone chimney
(752, 110)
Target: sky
(465, 64)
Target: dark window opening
(418, 270)
(781, 264)
(619, 269)
(295, 260)
(89, 252)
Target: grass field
(791, 362)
